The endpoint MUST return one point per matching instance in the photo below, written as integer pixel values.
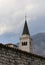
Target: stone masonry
(11, 56)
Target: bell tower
(25, 40)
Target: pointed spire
(25, 30)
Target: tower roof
(25, 30)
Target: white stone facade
(25, 39)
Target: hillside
(38, 43)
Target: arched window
(24, 43)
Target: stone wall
(11, 56)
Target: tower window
(24, 43)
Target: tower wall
(27, 48)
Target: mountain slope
(38, 43)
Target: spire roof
(25, 30)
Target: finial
(25, 18)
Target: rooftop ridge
(20, 51)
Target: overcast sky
(12, 16)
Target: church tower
(25, 40)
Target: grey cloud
(12, 14)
